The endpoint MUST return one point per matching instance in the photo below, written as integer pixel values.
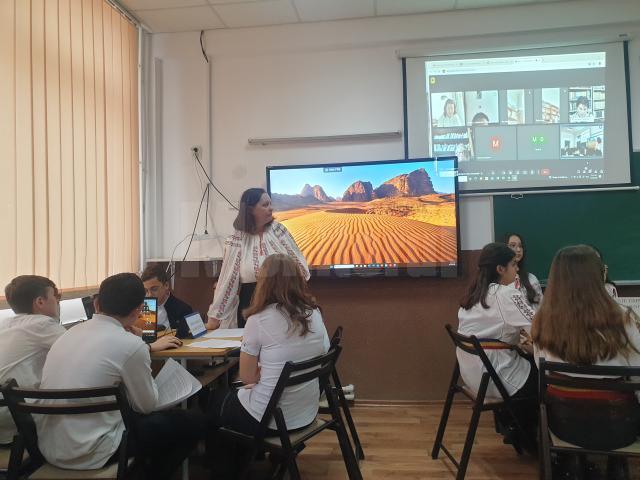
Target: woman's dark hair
(121, 294)
(23, 290)
(492, 255)
(523, 273)
(479, 118)
(450, 101)
(245, 221)
(582, 100)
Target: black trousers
(164, 439)
(526, 412)
(225, 455)
(246, 292)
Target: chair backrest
(77, 401)
(474, 346)
(601, 378)
(336, 338)
(598, 411)
(295, 373)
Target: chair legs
(350, 461)
(468, 443)
(445, 413)
(344, 404)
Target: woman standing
(257, 235)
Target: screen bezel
(511, 189)
(452, 271)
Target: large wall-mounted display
(371, 218)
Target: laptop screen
(148, 319)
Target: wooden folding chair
(77, 402)
(481, 403)
(287, 444)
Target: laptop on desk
(148, 320)
(75, 310)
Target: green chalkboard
(608, 220)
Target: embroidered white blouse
(507, 314)
(243, 256)
(535, 283)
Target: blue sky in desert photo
(290, 181)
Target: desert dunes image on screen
(390, 214)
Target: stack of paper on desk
(174, 384)
(217, 343)
(225, 333)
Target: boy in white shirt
(26, 337)
(101, 352)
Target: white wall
(328, 78)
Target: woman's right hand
(212, 323)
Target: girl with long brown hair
(284, 324)
(579, 323)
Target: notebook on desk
(148, 320)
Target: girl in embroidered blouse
(527, 283)
(257, 235)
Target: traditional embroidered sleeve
(225, 298)
(284, 238)
(514, 308)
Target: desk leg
(185, 463)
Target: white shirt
(243, 256)
(163, 318)
(96, 353)
(611, 290)
(507, 314)
(535, 283)
(267, 336)
(24, 342)
(452, 121)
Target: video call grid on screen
(533, 120)
(390, 217)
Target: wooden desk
(185, 352)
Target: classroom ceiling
(193, 15)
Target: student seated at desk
(101, 352)
(580, 323)
(171, 310)
(493, 309)
(283, 324)
(525, 281)
(26, 337)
